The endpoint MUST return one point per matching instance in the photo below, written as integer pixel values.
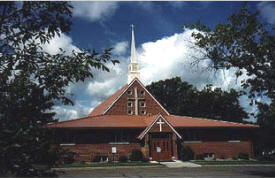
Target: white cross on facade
(160, 124)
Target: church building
(132, 118)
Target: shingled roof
(137, 121)
(98, 119)
(100, 109)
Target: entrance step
(179, 164)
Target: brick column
(175, 150)
(145, 148)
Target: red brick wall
(222, 149)
(121, 108)
(86, 152)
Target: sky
(164, 46)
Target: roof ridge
(237, 123)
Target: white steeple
(133, 70)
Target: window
(129, 92)
(142, 93)
(130, 112)
(129, 104)
(142, 104)
(143, 112)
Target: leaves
(182, 98)
(31, 80)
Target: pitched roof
(100, 109)
(138, 121)
(109, 102)
(105, 121)
(192, 122)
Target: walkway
(179, 164)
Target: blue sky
(163, 46)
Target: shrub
(267, 157)
(96, 159)
(123, 159)
(188, 153)
(136, 155)
(69, 158)
(243, 156)
(200, 157)
(145, 160)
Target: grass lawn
(233, 162)
(109, 164)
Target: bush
(243, 156)
(136, 155)
(188, 153)
(123, 159)
(69, 158)
(266, 157)
(200, 156)
(96, 159)
(145, 160)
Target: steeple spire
(133, 70)
(133, 47)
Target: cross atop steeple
(133, 70)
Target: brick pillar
(145, 148)
(175, 150)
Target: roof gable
(154, 122)
(119, 105)
(116, 104)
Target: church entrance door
(161, 146)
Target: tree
(245, 43)
(31, 80)
(182, 98)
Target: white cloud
(120, 48)
(64, 42)
(162, 59)
(94, 11)
(172, 56)
(71, 112)
(146, 5)
(267, 11)
(177, 4)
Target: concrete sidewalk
(179, 164)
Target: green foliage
(245, 43)
(31, 81)
(200, 157)
(96, 159)
(188, 153)
(243, 156)
(136, 155)
(209, 103)
(123, 159)
(68, 158)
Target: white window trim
(119, 143)
(67, 144)
(194, 141)
(130, 113)
(131, 104)
(144, 104)
(129, 92)
(234, 141)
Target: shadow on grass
(265, 173)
